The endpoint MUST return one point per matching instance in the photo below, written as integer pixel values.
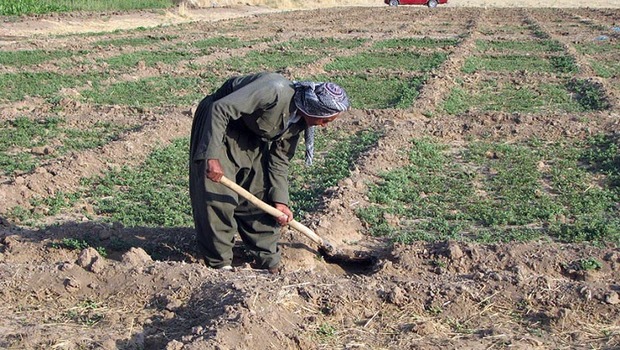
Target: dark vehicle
(429, 3)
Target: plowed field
(79, 112)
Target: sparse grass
(155, 194)
(488, 96)
(150, 58)
(502, 28)
(16, 86)
(537, 31)
(426, 42)
(324, 44)
(339, 150)
(135, 41)
(26, 7)
(597, 48)
(19, 136)
(491, 192)
(269, 60)
(524, 46)
(401, 61)
(507, 63)
(372, 91)
(152, 91)
(326, 330)
(606, 68)
(23, 58)
(85, 313)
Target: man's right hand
(214, 170)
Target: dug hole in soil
(440, 295)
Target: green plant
(490, 192)
(606, 68)
(324, 44)
(149, 58)
(589, 264)
(427, 42)
(340, 152)
(589, 94)
(378, 91)
(405, 60)
(16, 86)
(134, 41)
(71, 244)
(523, 46)
(87, 312)
(24, 58)
(564, 64)
(488, 96)
(271, 59)
(584, 264)
(25, 7)
(506, 63)
(153, 91)
(155, 194)
(326, 330)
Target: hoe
(326, 249)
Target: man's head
(320, 103)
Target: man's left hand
(288, 214)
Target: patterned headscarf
(318, 100)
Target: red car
(429, 3)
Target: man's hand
(214, 170)
(288, 214)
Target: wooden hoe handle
(273, 211)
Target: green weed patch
(135, 41)
(153, 91)
(269, 60)
(606, 68)
(524, 46)
(16, 86)
(24, 7)
(221, 42)
(155, 194)
(24, 58)
(19, 136)
(150, 58)
(489, 96)
(379, 92)
(564, 64)
(27, 7)
(507, 63)
(597, 48)
(405, 61)
(324, 44)
(425, 42)
(589, 94)
(494, 192)
(340, 152)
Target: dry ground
(444, 295)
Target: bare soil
(440, 295)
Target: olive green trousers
(219, 213)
